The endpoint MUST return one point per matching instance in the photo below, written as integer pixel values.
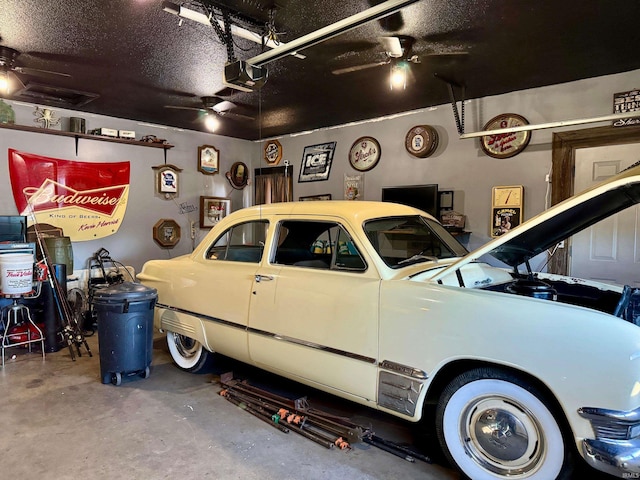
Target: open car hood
(560, 221)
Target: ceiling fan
(215, 105)
(8, 69)
(399, 55)
(211, 108)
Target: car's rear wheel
(492, 425)
(188, 354)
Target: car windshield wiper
(418, 256)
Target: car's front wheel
(492, 425)
(188, 354)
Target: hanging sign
(87, 200)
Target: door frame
(563, 161)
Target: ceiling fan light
(211, 122)
(398, 76)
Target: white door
(610, 250)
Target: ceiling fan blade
(392, 46)
(356, 68)
(176, 107)
(444, 54)
(37, 71)
(227, 113)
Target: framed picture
(324, 196)
(316, 162)
(212, 210)
(208, 159)
(238, 175)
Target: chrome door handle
(266, 278)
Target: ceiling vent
(53, 96)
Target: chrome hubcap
(502, 436)
(187, 347)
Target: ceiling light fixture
(398, 76)
(4, 81)
(211, 122)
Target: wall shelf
(84, 136)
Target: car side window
(347, 255)
(312, 244)
(240, 243)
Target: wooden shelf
(84, 136)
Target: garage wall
(458, 165)
(133, 243)
(461, 165)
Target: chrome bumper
(616, 448)
(620, 458)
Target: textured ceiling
(139, 58)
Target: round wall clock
(364, 154)
(505, 145)
(421, 141)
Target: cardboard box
(127, 134)
(106, 132)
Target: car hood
(560, 221)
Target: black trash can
(125, 330)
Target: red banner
(87, 200)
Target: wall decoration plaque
(364, 154)
(208, 159)
(167, 182)
(166, 233)
(316, 162)
(507, 204)
(238, 175)
(505, 145)
(272, 152)
(421, 141)
(626, 102)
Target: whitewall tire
(188, 354)
(491, 425)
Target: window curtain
(273, 185)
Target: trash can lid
(126, 291)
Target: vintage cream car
(519, 373)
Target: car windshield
(402, 241)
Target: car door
(314, 309)
(228, 271)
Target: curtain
(273, 185)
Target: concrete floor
(58, 421)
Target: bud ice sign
(87, 200)
(316, 162)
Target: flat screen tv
(424, 197)
(13, 228)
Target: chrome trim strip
(274, 336)
(614, 416)
(403, 369)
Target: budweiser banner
(86, 200)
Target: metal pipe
(349, 23)
(541, 126)
(198, 17)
